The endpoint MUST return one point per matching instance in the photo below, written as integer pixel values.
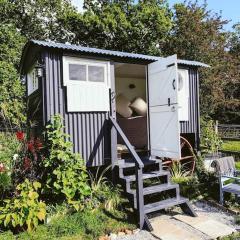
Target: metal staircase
(147, 185)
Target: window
(32, 80)
(183, 94)
(87, 83)
(77, 72)
(95, 74)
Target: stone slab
(208, 226)
(166, 230)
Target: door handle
(173, 84)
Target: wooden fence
(227, 131)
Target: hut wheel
(188, 157)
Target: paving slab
(166, 230)
(208, 226)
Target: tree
(11, 43)
(198, 34)
(11, 97)
(21, 20)
(37, 19)
(235, 40)
(121, 25)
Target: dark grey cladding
(88, 131)
(192, 126)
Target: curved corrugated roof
(79, 48)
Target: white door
(163, 108)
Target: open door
(163, 108)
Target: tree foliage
(198, 34)
(122, 25)
(148, 27)
(11, 97)
(20, 21)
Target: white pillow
(139, 106)
(122, 106)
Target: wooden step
(164, 204)
(128, 163)
(151, 174)
(156, 189)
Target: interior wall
(122, 87)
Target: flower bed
(45, 172)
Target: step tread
(164, 204)
(147, 175)
(156, 188)
(127, 163)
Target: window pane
(77, 72)
(95, 74)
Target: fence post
(216, 127)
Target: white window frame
(87, 62)
(32, 80)
(184, 109)
(78, 103)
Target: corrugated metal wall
(89, 132)
(192, 126)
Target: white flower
(15, 157)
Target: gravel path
(200, 207)
(215, 213)
(141, 235)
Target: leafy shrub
(12, 107)
(178, 173)
(29, 162)
(69, 175)
(5, 183)
(208, 184)
(189, 185)
(25, 210)
(9, 146)
(210, 140)
(104, 192)
(8, 235)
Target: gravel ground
(141, 235)
(215, 213)
(200, 207)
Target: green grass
(87, 225)
(234, 236)
(231, 146)
(237, 164)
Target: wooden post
(216, 127)
(113, 130)
(139, 196)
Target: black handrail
(138, 172)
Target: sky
(230, 9)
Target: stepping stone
(166, 230)
(208, 226)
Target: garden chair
(228, 176)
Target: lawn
(86, 225)
(231, 145)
